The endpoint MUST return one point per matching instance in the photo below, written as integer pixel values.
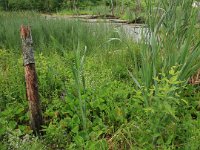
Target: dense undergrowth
(99, 89)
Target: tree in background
(138, 5)
(40, 5)
(54, 5)
(4, 4)
(112, 7)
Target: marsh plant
(173, 42)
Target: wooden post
(36, 120)
(195, 79)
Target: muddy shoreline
(96, 18)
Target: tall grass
(59, 34)
(78, 72)
(173, 42)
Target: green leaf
(79, 140)
(75, 129)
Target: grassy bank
(104, 12)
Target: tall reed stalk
(78, 72)
(173, 42)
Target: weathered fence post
(36, 120)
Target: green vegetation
(125, 9)
(98, 88)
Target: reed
(173, 42)
(50, 33)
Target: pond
(133, 31)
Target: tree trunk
(6, 5)
(36, 120)
(112, 7)
(138, 7)
(75, 5)
(122, 7)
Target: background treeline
(55, 5)
(40, 5)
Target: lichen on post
(36, 120)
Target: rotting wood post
(195, 79)
(36, 120)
